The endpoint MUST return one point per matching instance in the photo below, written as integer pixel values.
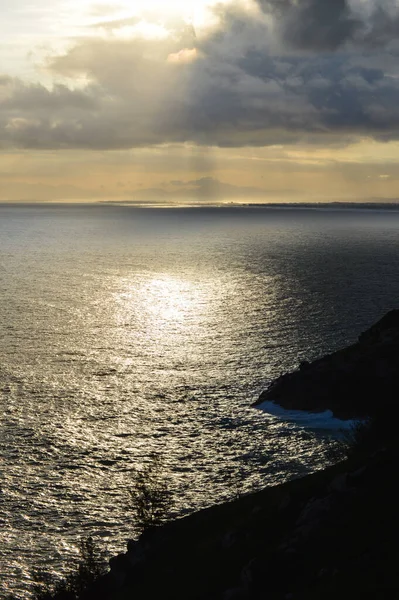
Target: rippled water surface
(126, 332)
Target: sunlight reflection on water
(126, 333)
(157, 308)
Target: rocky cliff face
(329, 535)
(359, 380)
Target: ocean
(129, 332)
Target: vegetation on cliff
(332, 534)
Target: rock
(308, 521)
(238, 593)
(352, 382)
(285, 501)
(323, 572)
(229, 539)
(256, 510)
(359, 473)
(136, 556)
(339, 483)
(119, 563)
(314, 509)
(291, 551)
(304, 365)
(119, 566)
(131, 545)
(288, 545)
(136, 552)
(250, 573)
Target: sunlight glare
(162, 306)
(170, 299)
(195, 12)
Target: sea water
(129, 332)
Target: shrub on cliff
(151, 500)
(92, 564)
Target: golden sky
(198, 100)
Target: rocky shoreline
(330, 535)
(354, 382)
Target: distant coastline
(391, 206)
(295, 205)
(339, 205)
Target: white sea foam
(311, 420)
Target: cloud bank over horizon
(280, 72)
(321, 74)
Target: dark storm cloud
(241, 86)
(37, 97)
(329, 24)
(323, 24)
(382, 29)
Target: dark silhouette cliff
(331, 535)
(356, 381)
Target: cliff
(353, 382)
(330, 535)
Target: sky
(180, 101)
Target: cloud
(322, 24)
(42, 192)
(241, 84)
(204, 188)
(330, 24)
(186, 55)
(209, 187)
(115, 24)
